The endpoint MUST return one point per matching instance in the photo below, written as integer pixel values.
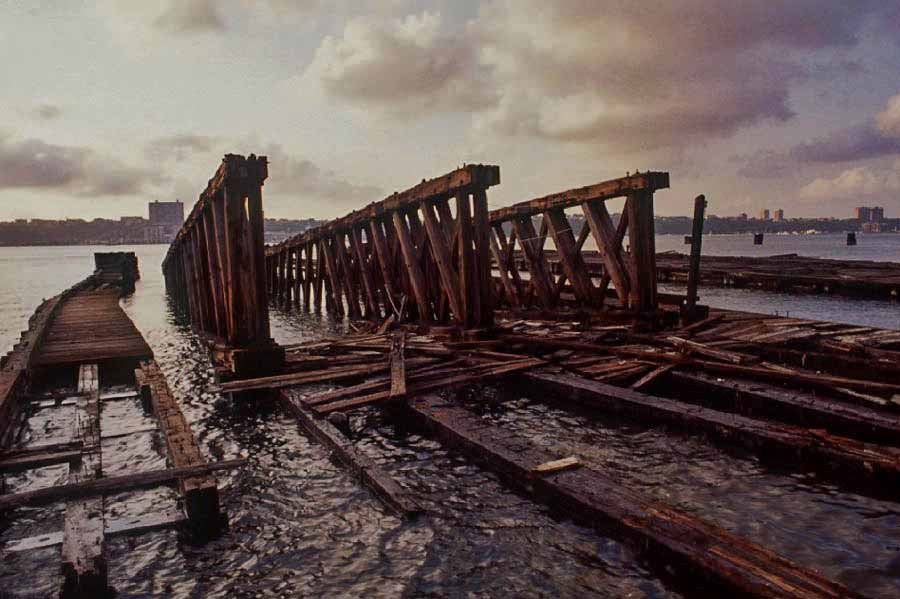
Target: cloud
(179, 146)
(875, 139)
(47, 112)
(304, 180)
(889, 119)
(35, 164)
(858, 184)
(402, 65)
(620, 75)
(190, 16)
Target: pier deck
(80, 344)
(787, 273)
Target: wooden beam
(708, 560)
(83, 562)
(200, 494)
(597, 218)
(113, 484)
(365, 469)
(413, 269)
(592, 193)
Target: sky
(108, 105)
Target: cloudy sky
(761, 103)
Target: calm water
(300, 526)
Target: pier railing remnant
(424, 251)
(632, 273)
(215, 268)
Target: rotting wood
(703, 554)
(829, 454)
(373, 476)
(472, 375)
(83, 561)
(440, 266)
(398, 365)
(113, 484)
(200, 495)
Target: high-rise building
(166, 219)
(863, 214)
(877, 214)
(779, 215)
(764, 214)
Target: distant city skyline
(115, 103)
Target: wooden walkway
(91, 327)
(787, 273)
(84, 330)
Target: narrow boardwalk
(91, 327)
(789, 272)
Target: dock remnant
(84, 569)
(200, 494)
(77, 340)
(690, 312)
(703, 553)
(215, 269)
(632, 273)
(406, 253)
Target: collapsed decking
(789, 273)
(810, 394)
(79, 343)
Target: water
(300, 526)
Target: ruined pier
(429, 279)
(82, 350)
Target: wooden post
(482, 225)
(696, 244)
(413, 269)
(569, 256)
(643, 251)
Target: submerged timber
(445, 298)
(81, 349)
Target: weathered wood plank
(708, 559)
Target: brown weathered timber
(216, 268)
(472, 375)
(200, 494)
(367, 471)
(112, 484)
(398, 365)
(827, 453)
(440, 268)
(606, 190)
(709, 559)
(84, 569)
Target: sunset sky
(790, 104)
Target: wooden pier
(788, 273)
(422, 253)
(79, 342)
(215, 270)
(413, 274)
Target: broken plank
(864, 464)
(115, 484)
(29, 461)
(651, 376)
(372, 475)
(702, 555)
(398, 365)
(83, 562)
(476, 374)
